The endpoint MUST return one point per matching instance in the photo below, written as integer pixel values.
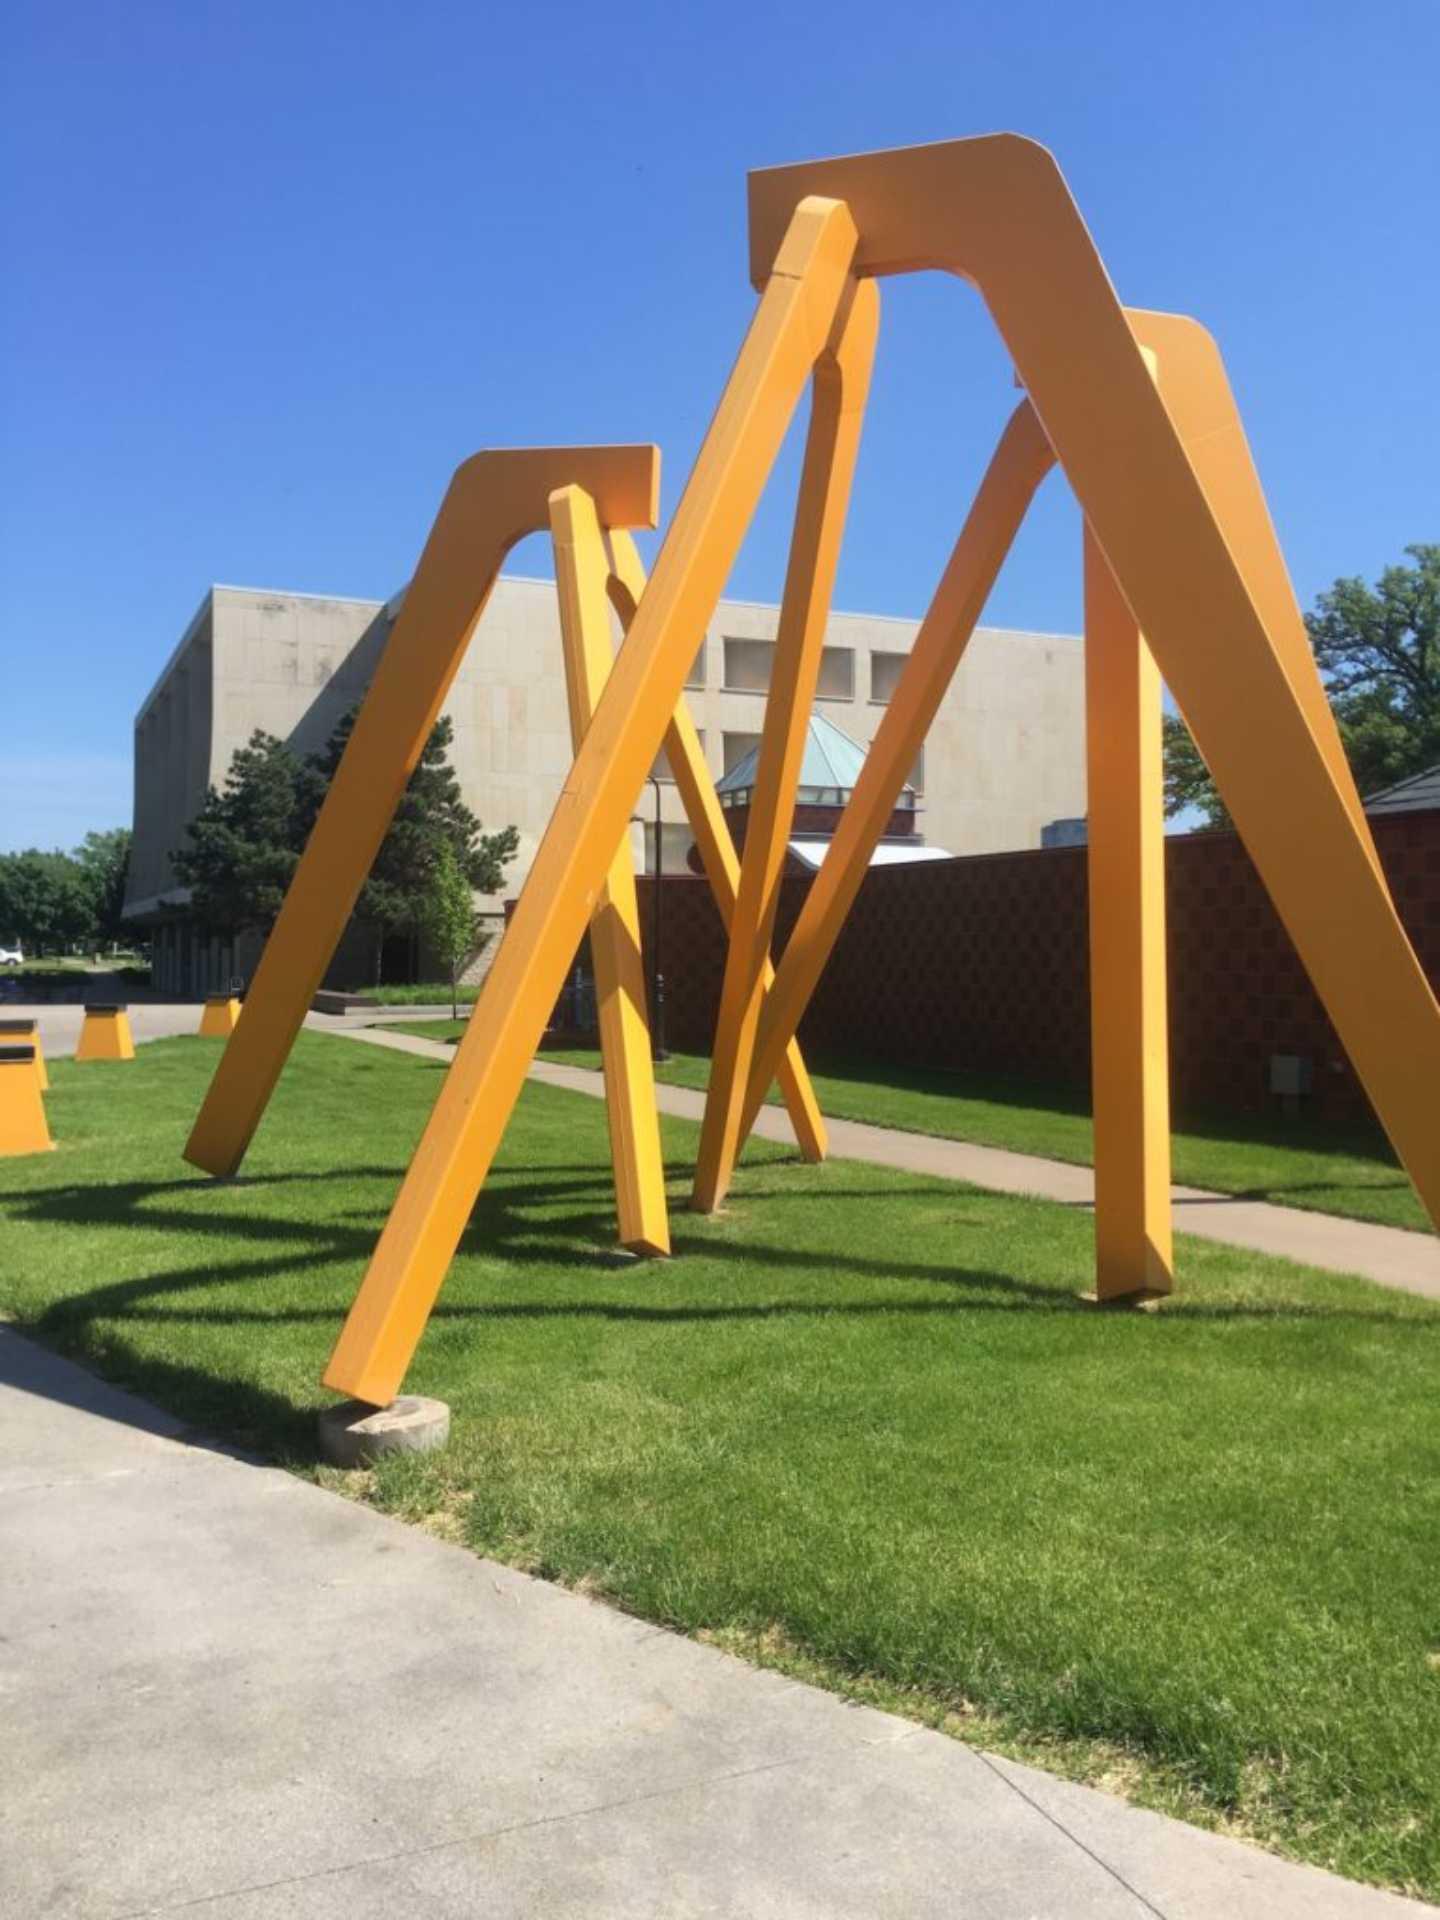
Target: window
(885, 671)
(662, 769)
(735, 746)
(748, 664)
(696, 675)
(837, 674)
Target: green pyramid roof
(828, 771)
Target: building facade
(1005, 756)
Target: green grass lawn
(859, 1428)
(1292, 1163)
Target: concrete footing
(355, 1434)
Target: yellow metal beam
(840, 385)
(997, 212)
(717, 850)
(791, 325)
(582, 568)
(494, 499)
(1125, 806)
(1020, 462)
(1202, 406)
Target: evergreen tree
(246, 839)
(431, 814)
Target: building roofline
(207, 601)
(293, 593)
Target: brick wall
(983, 964)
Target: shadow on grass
(514, 1219)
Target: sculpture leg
(716, 848)
(841, 384)
(492, 501)
(1020, 463)
(998, 212)
(788, 332)
(1129, 1036)
(581, 569)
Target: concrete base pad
(354, 1433)
(1145, 1301)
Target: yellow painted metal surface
(1180, 550)
(1130, 1053)
(787, 334)
(840, 387)
(23, 1032)
(494, 499)
(1020, 462)
(582, 568)
(23, 1127)
(105, 1035)
(219, 1019)
(997, 212)
(716, 849)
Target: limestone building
(1004, 758)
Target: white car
(11, 957)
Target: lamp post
(658, 1051)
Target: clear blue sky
(272, 270)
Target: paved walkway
(1388, 1255)
(232, 1696)
(149, 1020)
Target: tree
(447, 916)
(1378, 651)
(45, 900)
(246, 839)
(431, 814)
(104, 860)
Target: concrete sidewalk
(1388, 1255)
(232, 1695)
(60, 1022)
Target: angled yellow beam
(790, 327)
(582, 568)
(997, 212)
(1020, 462)
(716, 848)
(494, 499)
(1125, 807)
(840, 386)
(1202, 406)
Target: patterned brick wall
(983, 964)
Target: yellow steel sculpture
(582, 569)
(717, 850)
(495, 499)
(105, 1033)
(841, 384)
(23, 1127)
(1183, 577)
(26, 1033)
(221, 1016)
